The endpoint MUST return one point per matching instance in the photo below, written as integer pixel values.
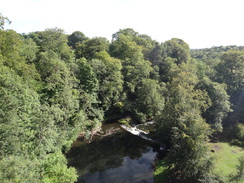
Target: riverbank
(226, 162)
(113, 156)
(160, 173)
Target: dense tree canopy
(54, 86)
(75, 38)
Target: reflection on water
(120, 158)
(131, 170)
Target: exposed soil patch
(216, 147)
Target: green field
(226, 162)
(226, 159)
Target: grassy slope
(227, 160)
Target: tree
(87, 85)
(136, 71)
(55, 40)
(23, 141)
(29, 50)
(239, 176)
(144, 41)
(168, 69)
(89, 48)
(178, 49)
(19, 108)
(129, 33)
(75, 38)
(86, 76)
(58, 91)
(11, 52)
(188, 154)
(220, 104)
(108, 72)
(189, 133)
(156, 54)
(54, 169)
(10, 49)
(3, 20)
(230, 70)
(150, 100)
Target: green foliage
(230, 70)
(10, 48)
(124, 48)
(210, 54)
(55, 40)
(167, 69)
(156, 54)
(108, 73)
(75, 38)
(29, 50)
(240, 131)
(144, 41)
(54, 86)
(89, 48)
(220, 105)
(126, 121)
(18, 169)
(188, 153)
(42, 110)
(87, 87)
(150, 100)
(86, 76)
(11, 52)
(3, 20)
(177, 49)
(161, 174)
(189, 132)
(19, 109)
(54, 170)
(237, 134)
(26, 132)
(136, 71)
(240, 171)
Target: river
(118, 158)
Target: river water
(117, 158)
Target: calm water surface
(118, 158)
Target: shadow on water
(120, 157)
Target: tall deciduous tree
(220, 104)
(178, 49)
(88, 86)
(89, 48)
(75, 38)
(135, 70)
(189, 132)
(231, 70)
(144, 41)
(150, 100)
(24, 143)
(108, 72)
(55, 40)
